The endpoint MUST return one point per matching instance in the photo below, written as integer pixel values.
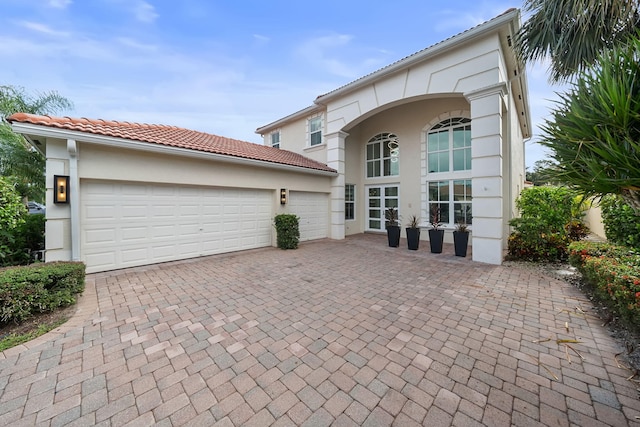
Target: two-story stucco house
(443, 127)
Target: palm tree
(572, 33)
(594, 132)
(19, 162)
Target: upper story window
(449, 146)
(315, 131)
(275, 139)
(383, 155)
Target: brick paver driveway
(334, 333)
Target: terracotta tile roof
(174, 137)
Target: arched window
(449, 146)
(382, 155)
(449, 170)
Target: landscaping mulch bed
(36, 321)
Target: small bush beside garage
(287, 230)
(39, 288)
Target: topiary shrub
(287, 230)
(550, 218)
(621, 223)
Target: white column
(487, 173)
(74, 199)
(335, 159)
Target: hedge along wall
(39, 288)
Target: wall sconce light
(283, 196)
(60, 189)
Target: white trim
(74, 199)
(423, 55)
(382, 208)
(353, 202)
(321, 130)
(295, 116)
(45, 131)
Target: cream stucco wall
(101, 162)
(407, 100)
(407, 122)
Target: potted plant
(461, 239)
(436, 234)
(413, 233)
(393, 229)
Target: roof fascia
(49, 132)
(437, 49)
(291, 117)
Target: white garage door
(125, 224)
(313, 210)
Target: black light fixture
(283, 196)
(61, 189)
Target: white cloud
(261, 40)
(129, 42)
(59, 4)
(455, 20)
(43, 29)
(145, 12)
(335, 54)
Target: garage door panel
(126, 224)
(134, 256)
(134, 234)
(100, 236)
(313, 211)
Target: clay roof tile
(174, 136)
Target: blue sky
(221, 66)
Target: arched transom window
(382, 155)
(449, 146)
(449, 178)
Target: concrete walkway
(334, 333)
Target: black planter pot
(413, 238)
(460, 242)
(393, 235)
(436, 237)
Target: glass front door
(379, 198)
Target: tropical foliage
(20, 234)
(19, 162)
(573, 33)
(550, 219)
(614, 275)
(621, 222)
(594, 133)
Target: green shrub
(550, 218)
(621, 223)
(614, 274)
(38, 288)
(19, 245)
(12, 216)
(287, 230)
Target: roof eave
(28, 129)
(295, 116)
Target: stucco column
(335, 159)
(74, 196)
(487, 173)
